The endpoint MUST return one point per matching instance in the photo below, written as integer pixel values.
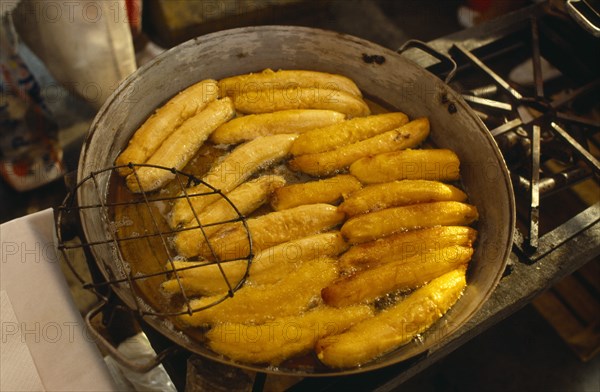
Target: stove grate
(542, 128)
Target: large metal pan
(380, 73)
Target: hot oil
(150, 256)
(378, 106)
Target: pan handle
(445, 59)
(135, 366)
(585, 18)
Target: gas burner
(546, 130)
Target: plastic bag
(138, 349)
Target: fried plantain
(395, 326)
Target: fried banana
(404, 245)
(247, 197)
(269, 79)
(286, 121)
(347, 132)
(235, 168)
(272, 229)
(374, 225)
(367, 285)
(269, 266)
(431, 164)
(275, 263)
(329, 190)
(399, 193)
(283, 337)
(272, 100)
(326, 163)
(180, 146)
(151, 134)
(258, 304)
(203, 277)
(395, 326)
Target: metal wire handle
(117, 355)
(447, 60)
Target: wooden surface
(572, 307)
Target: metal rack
(549, 119)
(531, 124)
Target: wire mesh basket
(128, 237)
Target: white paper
(17, 370)
(65, 356)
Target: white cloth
(86, 45)
(43, 345)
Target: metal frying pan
(381, 74)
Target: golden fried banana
(347, 132)
(269, 266)
(395, 326)
(399, 193)
(374, 225)
(272, 229)
(367, 285)
(258, 304)
(180, 146)
(203, 277)
(326, 163)
(286, 121)
(267, 101)
(151, 134)
(269, 79)
(235, 168)
(404, 245)
(433, 164)
(329, 190)
(247, 197)
(283, 337)
(274, 264)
